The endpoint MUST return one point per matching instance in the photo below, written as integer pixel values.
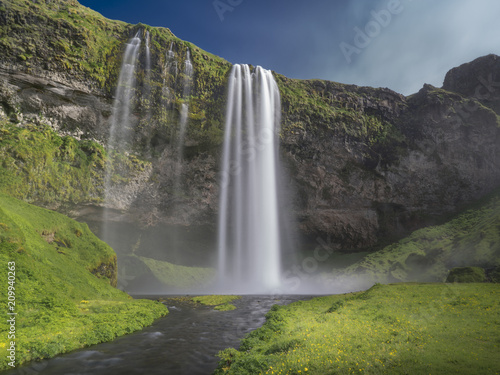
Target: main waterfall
(249, 255)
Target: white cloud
(422, 43)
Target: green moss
(176, 276)
(225, 307)
(466, 275)
(389, 329)
(33, 159)
(70, 36)
(64, 297)
(221, 303)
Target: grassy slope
(62, 306)
(471, 239)
(396, 329)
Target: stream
(184, 342)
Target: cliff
(363, 166)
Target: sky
(399, 44)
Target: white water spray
(120, 132)
(171, 53)
(148, 56)
(188, 74)
(248, 229)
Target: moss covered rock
(466, 275)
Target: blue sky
(400, 44)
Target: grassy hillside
(389, 329)
(63, 276)
(470, 239)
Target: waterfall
(171, 53)
(188, 74)
(148, 56)
(147, 83)
(183, 122)
(120, 132)
(249, 255)
(171, 65)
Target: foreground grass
(395, 329)
(63, 293)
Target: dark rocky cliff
(363, 166)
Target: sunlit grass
(396, 329)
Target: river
(186, 341)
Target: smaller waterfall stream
(148, 55)
(183, 121)
(120, 132)
(188, 74)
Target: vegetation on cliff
(40, 166)
(64, 279)
(396, 329)
(470, 239)
(34, 158)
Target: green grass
(389, 329)
(225, 307)
(470, 239)
(177, 276)
(221, 303)
(64, 277)
(466, 275)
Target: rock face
(362, 166)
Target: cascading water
(147, 82)
(171, 53)
(148, 55)
(120, 130)
(248, 229)
(188, 74)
